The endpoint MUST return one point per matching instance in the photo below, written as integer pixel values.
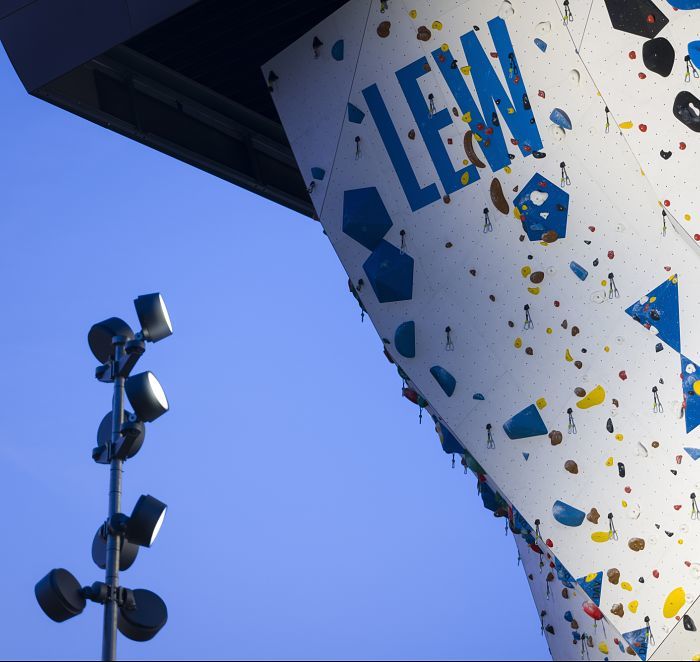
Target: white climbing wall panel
(464, 167)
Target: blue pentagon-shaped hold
(560, 118)
(567, 515)
(318, 173)
(447, 382)
(365, 217)
(355, 115)
(338, 50)
(694, 52)
(544, 209)
(581, 272)
(526, 423)
(390, 273)
(542, 45)
(405, 339)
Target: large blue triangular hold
(693, 452)
(527, 423)
(638, 641)
(659, 309)
(692, 399)
(592, 585)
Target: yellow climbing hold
(600, 536)
(508, 169)
(625, 586)
(609, 462)
(696, 658)
(533, 290)
(465, 162)
(606, 348)
(680, 541)
(437, 25)
(624, 504)
(595, 397)
(467, 117)
(465, 178)
(516, 213)
(511, 111)
(604, 283)
(549, 330)
(466, 70)
(632, 606)
(619, 436)
(478, 138)
(444, 47)
(686, 217)
(591, 576)
(526, 271)
(541, 403)
(524, 207)
(568, 356)
(603, 648)
(652, 299)
(696, 387)
(626, 125)
(674, 601)
(518, 343)
(413, 13)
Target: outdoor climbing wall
(482, 172)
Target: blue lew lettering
(417, 197)
(517, 113)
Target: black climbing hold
(596, 262)
(609, 426)
(550, 629)
(539, 155)
(621, 469)
(587, 242)
(633, 16)
(658, 55)
(686, 108)
(654, 314)
(641, 580)
(674, 472)
(665, 155)
(526, 102)
(494, 119)
(659, 347)
(689, 624)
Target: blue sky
(310, 515)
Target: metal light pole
(138, 614)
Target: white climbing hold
(557, 132)
(538, 198)
(575, 76)
(544, 27)
(506, 10)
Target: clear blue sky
(310, 515)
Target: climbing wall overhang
(510, 187)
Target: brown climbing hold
(574, 624)
(564, 325)
(455, 112)
(565, 593)
(636, 544)
(550, 236)
(630, 651)
(383, 29)
(498, 198)
(578, 364)
(426, 68)
(613, 576)
(575, 331)
(593, 516)
(615, 402)
(446, 199)
(654, 444)
(423, 33)
(618, 609)
(412, 134)
(470, 151)
(529, 351)
(580, 392)
(537, 277)
(556, 437)
(571, 466)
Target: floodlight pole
(109, 631)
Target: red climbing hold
(633, 55)
(591, 228)
(611, 255)
(541, 94)
(643, 128)
(667, 203)
(623, 375)
(549, 542)
(677, 507)
(682, 146)
(556, 304)
(655, 573)
(651, 18)
(592, 609)
(642, 75)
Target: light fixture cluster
(138, 614)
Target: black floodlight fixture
(101, 334)
(145, 521)
(60, 595)
(146, 396)
(127, 551)
(143, 617)
(133, 433)
(153, 316)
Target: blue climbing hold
(445, 379)
(542, 45)
(318, 173)
(526, 456)
(693, 452)
(685, 4)
(560, 118)
(567, 515)
(355, 115)
(692, 399)
(527, 423)
(638, 641)
(405, 339)
(449, 441)
(338, 50)
(478, 396)
(488, 496)
(592, 585)
(390, 273)
(694, 53)
(580, 271)
(365, 217)
(543, 207)
(660, 309)
(568, 616)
